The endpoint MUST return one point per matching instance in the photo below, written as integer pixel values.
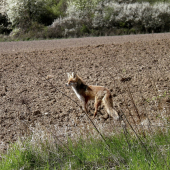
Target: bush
(35, 31)
(23, 12)
(83, 18)
(78, 18)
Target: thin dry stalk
(143, 145)
(27, 127)
(133, 102)
(42, 76)
(140, 140)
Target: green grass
(91, 154)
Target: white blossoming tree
(22, 12)
(81, 17)
(107, 14)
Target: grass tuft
(90, 154)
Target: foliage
(108, 14)
(76, 18)
(23, 12)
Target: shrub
(35, 31)
(78, 20)
(97, 17)
(81, 17)
(23, 12)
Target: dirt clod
(27, 98)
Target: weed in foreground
(47, 154)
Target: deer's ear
(68, 74)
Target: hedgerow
(111, 15)
(74, 18)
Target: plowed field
(33, 75)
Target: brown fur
(89, 92)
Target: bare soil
(33, 75)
